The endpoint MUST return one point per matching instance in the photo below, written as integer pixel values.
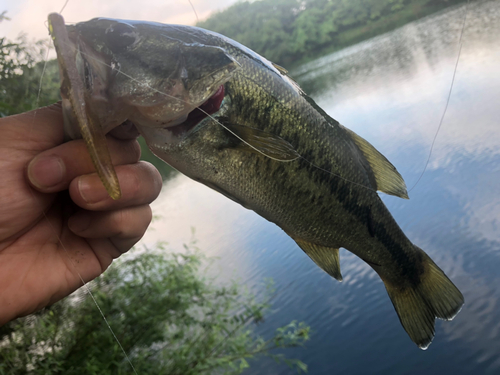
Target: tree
(289, 32)
(167, 318)
(21, 67)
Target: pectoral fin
(73, 94)
(387, 178)
(327, 258)
(260, 142)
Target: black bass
(228, 118)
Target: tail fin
(418, 306)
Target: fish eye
(120, 36)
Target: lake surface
(391, 90)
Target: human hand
(57, 223)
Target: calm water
(392, 91)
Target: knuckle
(155, 182)
(145, 216)
(118, 220)
(124, 151)
(144, 183)
(132, 222)
(135, 184)
(134, 149)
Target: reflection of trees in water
(428, 43)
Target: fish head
(151, 74)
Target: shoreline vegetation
(287, 32)
(169, 317)
(293, 32)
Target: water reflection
(391, 90)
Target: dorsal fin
(282, 70)
(387, 178)
(327, 258)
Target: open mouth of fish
(102, 85)
(208, 108)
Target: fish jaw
(324, 195)
(171, 143)
(76, 112)
(152, 77)
(111, 80)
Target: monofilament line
(221, 124)
(447, 99)
(87, 289)
(194, 10)
(72, 262)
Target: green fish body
(262, 142)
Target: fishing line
(64, 6)
(194, 10)
(72, 262)
(447, 99)
(221, 124)
(84, 284)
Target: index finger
(53, 170)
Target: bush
(22, 67)
(166, 317)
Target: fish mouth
(209, 107)
(183, 124)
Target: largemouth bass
(230, 119)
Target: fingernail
(90, 191)
(46, 171)
(79, 222)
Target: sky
(30, 16)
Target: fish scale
(268, 147)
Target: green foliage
(291, 31)
(165, 170)
(167, 318)
(21, 85)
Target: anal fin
(327, 258)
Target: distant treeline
(288, 32)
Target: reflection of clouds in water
(252, 249)
(379, 88)
(471, 262)
(477, 324)
(221, 226)
(395, 103)
(393, 109)
(481, 204)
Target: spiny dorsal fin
(282, 70)
(325, 257)
(260, 142)
(387, 178)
